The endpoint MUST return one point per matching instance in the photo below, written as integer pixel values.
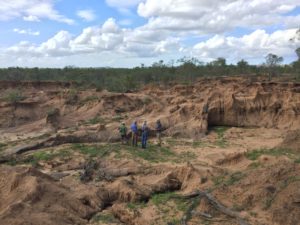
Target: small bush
(96, 120)
(72, 97)
(14, 96)
(52, 112)
(91, 98)
(147, 100)
(2, 146)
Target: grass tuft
(105, 218)
(162, 198)
(255, 154)
(228, 180)
(221, 141)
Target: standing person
(145, 131)
(158, 129)
(123, 133)
(134, 130)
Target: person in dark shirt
(158, 129)
(123, 133)
(134, 130)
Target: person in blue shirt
(145, 131)
(134, 130)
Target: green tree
(188, 66)
(159, 64)
(272, 61)
(220, 62)
(298, 53)
(242, 66)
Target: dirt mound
(292, 141)
(31, 197)
(276, 193)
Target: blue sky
(97, 33)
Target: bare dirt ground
(230, 155)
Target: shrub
(72, 96)
(53, 112)
(14, 96)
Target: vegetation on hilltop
(187, 70)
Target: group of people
(135, 133)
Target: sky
(128, 33)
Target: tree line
(186, 70)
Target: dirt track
(230, 138)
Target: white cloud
(28, 32)
(215, 16)
(31, 18)
(123, 4)
(167, 32)
(31, 10)
(87, 15)
(253, 46)
(108, 37)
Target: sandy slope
(251, 167)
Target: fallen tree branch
(215, 203)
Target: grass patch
(186, 156)
(220, 130)
(254, 165)
(95, 120)
(219, 180)
(2, 146)
(221, 141)
(136, 205)
(255, 154)
(91, 98)
(105, 218)
(297, 160)
(153, 153)
(36, 157)
(234, 178)
(93, 150)
(228, 180)
(162, 199)
(199, 144)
